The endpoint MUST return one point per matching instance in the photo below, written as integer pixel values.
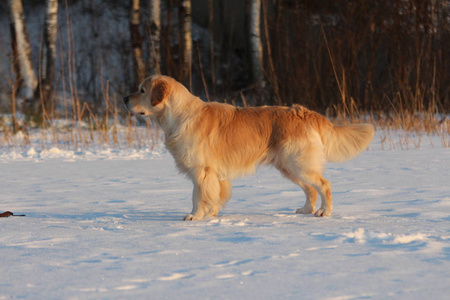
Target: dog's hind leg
(310, 192)
(308, 168)
(311, 198)
(206, 195)
(323, 187)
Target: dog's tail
(347, 141)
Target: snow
(106, 224)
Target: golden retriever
(213, 143)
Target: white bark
(135, 12)
(22, 48)
(136, 41)
(186, 31)
(155, 36)
(256, 49)
(49, 50)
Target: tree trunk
(211, 46)
(155, 36)
(136, 42)
(49, 52)
(25, 75)
(186, 36)
(256, 49)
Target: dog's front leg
(198, 209)
(206, 194)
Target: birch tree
(155, 36)
(136, 41)
(186, 36)
(25, 74)
(256, 49)
(49, 50)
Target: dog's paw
(305, 210)
(192, 217)
(189, 218)
(322, 213)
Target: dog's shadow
(151, 216)
(131, 215)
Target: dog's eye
(142, 91)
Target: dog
(213, 143)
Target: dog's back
(243, 136)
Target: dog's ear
(159, 91)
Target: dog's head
(150, 97)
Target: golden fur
(213, 143)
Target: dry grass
(412, 131)
(112, 130)
(117, 129)
(402, 130)
(376, 62)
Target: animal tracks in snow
(175, 276)
(228, 269)
(381, 241)
(231, 263)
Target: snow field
(107, 224)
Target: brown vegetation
(382, 61)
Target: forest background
(385, 61)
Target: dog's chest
(185, 152)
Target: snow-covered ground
(107, 225)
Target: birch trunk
(136, 41)
(155, 36)
(49, 50)
(186, 35)
(23, 67)
(256, 49)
